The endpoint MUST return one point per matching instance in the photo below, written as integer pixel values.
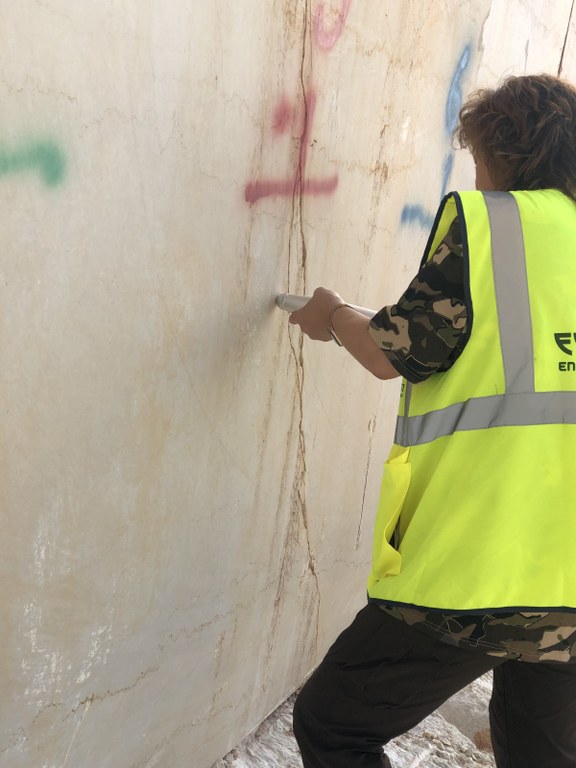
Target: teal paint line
(46, 157)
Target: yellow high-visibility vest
(480, 485)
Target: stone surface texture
(188, 488)
(453, 737)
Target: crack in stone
(298, 250)
(304, 137)
(371, 427)
(301, 471)
(561, 62)
(109, 694)
(52, 705)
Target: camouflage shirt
(422, 334)
(425, 332)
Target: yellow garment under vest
(480, 485)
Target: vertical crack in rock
(371, 427)
(297, 524)
(480, 46)
(297, 189)
(306, 44)
(301, 473)
(565, 40)
(298, 503)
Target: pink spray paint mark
(326, 36)
(283, 117)
(298, 184)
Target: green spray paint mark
(44, 156)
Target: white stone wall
(188, 488)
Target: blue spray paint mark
(454, 100)
(44, 156)
(415, 214)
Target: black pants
(382, 677)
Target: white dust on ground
(456, 736)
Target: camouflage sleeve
(427, 329)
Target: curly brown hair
(525, 133)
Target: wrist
(331, 330)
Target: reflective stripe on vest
(521, 405)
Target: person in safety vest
(474, 558)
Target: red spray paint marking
(298, 184)
(326, 37)
(283, 117)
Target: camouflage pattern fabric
(527, 636)
(425, 332)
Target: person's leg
(379, 679)
(533, 715)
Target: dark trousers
(382, 677)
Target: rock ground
(456, 736)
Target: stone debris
(456, 736)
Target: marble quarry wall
(188, 487)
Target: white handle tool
(290, 303)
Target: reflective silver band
(516, 410)
(521, 405)
(511, 282)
